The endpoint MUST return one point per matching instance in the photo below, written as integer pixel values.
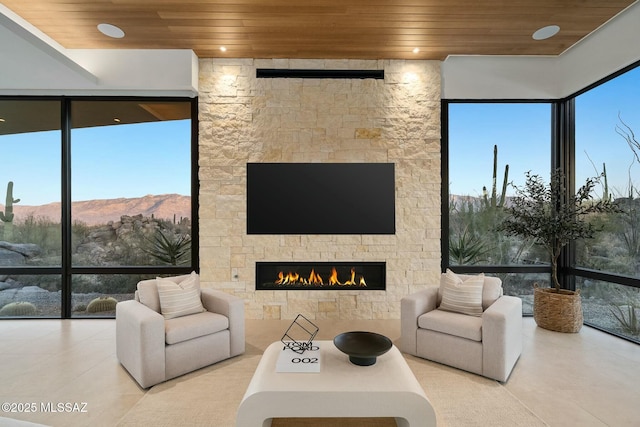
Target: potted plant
(547, 215)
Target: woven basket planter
(555, 310)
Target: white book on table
(303, 362)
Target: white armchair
(487, 343)
(157, 342)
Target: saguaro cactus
(495, 203)
(606, 195)
(7, 215)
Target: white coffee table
(341, 390)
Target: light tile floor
(585, 379)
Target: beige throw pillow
(179, 299)
(462, 296)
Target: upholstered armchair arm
(233, 308)
(501, 337)
(140, 342)
(411, 307)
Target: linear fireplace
(289, 275)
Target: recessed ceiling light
(223, 49)
(117, 120)
(546, 32)
(416, 50)
(2, 120)
(111, 31)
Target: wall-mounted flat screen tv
(321, 198)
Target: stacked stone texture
(245, 119)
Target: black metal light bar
(318, 74)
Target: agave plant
(173, 249)
(628, 320)
(467, 249)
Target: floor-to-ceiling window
(595, 133)
(491, 146)
(607, 144)
(98, 194)
(30, 238)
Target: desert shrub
(79, 231)
(40, 231)
(48, 282)
(84, 284)
(522, 284)
(80, 308)
(599, 289)
(106, 283)
(119, 283)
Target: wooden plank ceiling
(367, 29)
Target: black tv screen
(320, 198)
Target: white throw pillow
(179, 299)
(462, 296)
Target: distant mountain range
(95, 212)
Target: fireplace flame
(293, 278)
(315, 278)
(333, 279)
(351, 281)
(289, 278)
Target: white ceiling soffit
(142, 72)
(34, 64)
(610, 48)
(33, 55)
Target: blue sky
(107, 162)
(596, 119)
(522, 134)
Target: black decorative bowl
(362, 347)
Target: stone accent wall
(245, 119)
